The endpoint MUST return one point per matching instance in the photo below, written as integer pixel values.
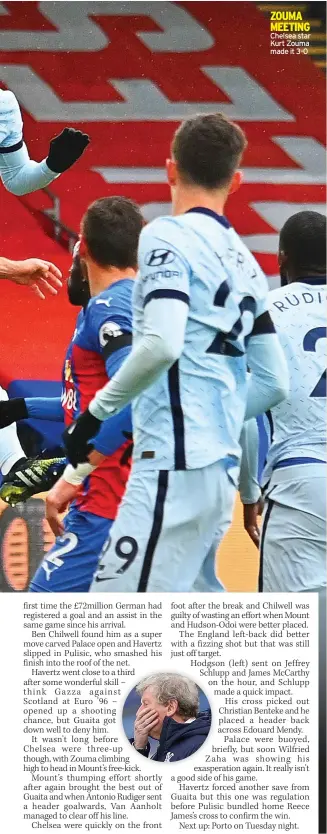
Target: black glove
(65, 149)
(77, 435)
(12, 410)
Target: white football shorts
(164, 530)
(293, 532)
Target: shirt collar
(310, 279)
(210, 213)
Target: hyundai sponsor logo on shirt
(162, 273)
(159, 257)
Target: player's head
(302, 246)
(78, 289)
(170, 695)
(205, 154)
(110, 231)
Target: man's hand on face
(145, 720)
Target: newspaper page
(73, 692)
(162, 416)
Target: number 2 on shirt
(309, 343)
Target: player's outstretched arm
(42, 276)
(20, 174)
(269, 379)
(20, 408)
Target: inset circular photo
(166, 717)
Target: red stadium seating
(34, 333)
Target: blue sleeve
(113, 432)
(109, 333)
(116, 359)
(107, 326)
(111, 435)
(45, 408)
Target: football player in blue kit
(108, 250)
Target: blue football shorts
(70, 564)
